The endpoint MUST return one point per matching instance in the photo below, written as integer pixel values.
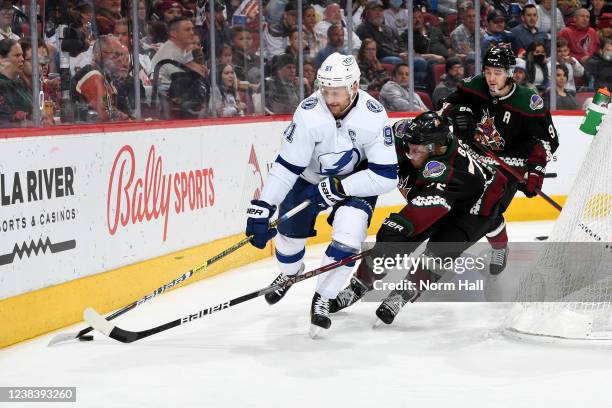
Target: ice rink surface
(446, 355)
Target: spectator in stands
(527, 32)
(599, 66)
(331, 16)
(6, 20)
(43, 59)
(309, 21)
(462, 38)
(595, 9)
(574, 68)
(222, 29)
(225, 55)
(293, 47)
(568, 9)
(396, 16)
(15, 97)
(78, 35)
(246, 64)
(583, 40)
(391, 48)
(448, 84)
(335, 43)
(168, 10)
(108, 12)
(146, 66)
(604, 26)
(282, 93)
(310, 75)
(177, 48)
(276, 35)
(496, 32)
(537, 68)
(566, 99)
(373, 74)
(545, 19)
(225, 94)
(519, 74)
(394, 94)
(429, 42)
(94, 86)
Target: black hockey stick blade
(98, 322)
(58, 338)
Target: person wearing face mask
(491, 111)
(537, 68)
(599, 66)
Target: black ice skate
(498, 260)
(391, 306)
(319, 315)
(349, 295)
(275, 296)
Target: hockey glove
(535, 169)
(462, 119)
(325, 194)
(395, 228)
(258, 223)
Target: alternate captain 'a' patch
(433, 169)
(374, 106)
(310, 103)
(536, 102)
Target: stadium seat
(388, 68)
(426, 99)
(431, 19)
(438, 70)
(583, 96)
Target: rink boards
(101, 215)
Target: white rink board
(92, 240)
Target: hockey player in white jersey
(337, 152)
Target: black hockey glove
(395, 228)
(534, 172)
(462, 119)
(258, 223)
(325, 194)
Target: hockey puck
(86, 337)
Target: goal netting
(568, 292)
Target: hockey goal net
(568, 293)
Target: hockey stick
(202, 267)
(516, 175)
(125, 336)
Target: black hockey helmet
(426, 128)
(499, 57)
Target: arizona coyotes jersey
(508, 125)
(358, 149)
(457, 180)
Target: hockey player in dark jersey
(451, 197)
(490, 111)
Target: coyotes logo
(487, 134)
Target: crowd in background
(86, 59)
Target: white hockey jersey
(316, 145)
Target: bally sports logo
(134, 198)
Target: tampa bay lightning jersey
(316, 145)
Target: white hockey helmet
(339, 70)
